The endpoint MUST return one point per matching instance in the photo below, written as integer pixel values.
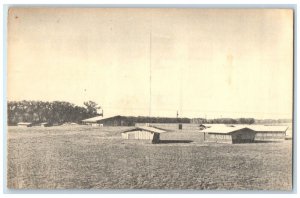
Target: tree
(52, 112)
(92, 107)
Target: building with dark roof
(232, 135)
(25, 124)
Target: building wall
(156, 138)
(141, 135)
(243, 136)
(219, 138)
(138, 135)
(46, 125)
(117, 121)
(96, 125)
(23, 125)
(270, 136)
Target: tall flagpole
(150, 70)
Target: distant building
(25, 124)
(69, 124)
(94, 121)
(45, 124)
(205, 126)
(145, 133)
(116, 120)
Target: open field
(86, 157)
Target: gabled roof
(146, 128)
(265, 128)
(232, 128)
(223, 129)
(212, 125)
(98, 118)
(93, 119)
(24, 123)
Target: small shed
(45, 124)
(25, 124)
(143, 133)
(229, 134)
(70, 124)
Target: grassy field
(85, 157)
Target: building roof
(212, 125)
(265, 128)
(223, 129)
(146, 128)
(69, 123)
(93, 119)
(232, 128)
(24, 123)
(99, 118)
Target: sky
(209, 63)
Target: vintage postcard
(150, 98)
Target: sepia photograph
(150, 98)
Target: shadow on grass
(174, 141)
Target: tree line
(223, 121)
(55, 112)
(273, 121)
(58, 112)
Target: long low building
(123, 120)
(115, 120)
(269, 133)
(45, 124)
(94, 121)
(25, 124)
(143, 133)
(244, 133)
